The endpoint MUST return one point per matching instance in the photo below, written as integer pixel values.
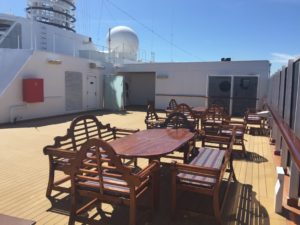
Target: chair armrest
(152, 167)
(59, 139)
(125, 130)
(121, 132)
(216, 139)
(58, 152)
(230, 126)
(186, 168)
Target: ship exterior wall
(50, 67)
(188, 82)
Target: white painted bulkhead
(40, 65)
(188, 81)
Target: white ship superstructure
(77, 77)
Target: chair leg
(73, 209)
(173, 194)
(216, 206)
(155, 189)
(50, 181)
(132, 208)
(231, 169)
(244, 149)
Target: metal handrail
(292, 141)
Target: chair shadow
(250, 156)
(244, 207)
(241, 208)
(60, 204)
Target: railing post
(284, 153)
(294, 186)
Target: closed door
(219, 90)
(91, 93)
(113, 92)
(244, 94)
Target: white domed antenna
(59, 13)
(123, 42)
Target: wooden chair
(188, 112)
(178, 120)
(252, 118)
(171, 107)
(213, 118)
(81, 129)
(152, 120)
(102, 178)
(240, 129)
(203, 175)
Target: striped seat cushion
(110, 184)
(238, 133)
(209, 158)
(255, 118)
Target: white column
(279, 189)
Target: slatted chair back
(172, 104)
(213, 118)
(152, 120)
(85, 127)
(151, 113)
(186, 110)
(101, 171)
(218, 142)
(178, 120)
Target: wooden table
(152, 143)
(199, 109)
(10, 220)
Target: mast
(59, 13)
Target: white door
(91, 93)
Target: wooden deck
(24, 176)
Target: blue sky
(194, 30)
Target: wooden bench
(203, 175)
(64, 149)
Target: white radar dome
(123, 42)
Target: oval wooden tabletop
(199, 109)
(152, 142)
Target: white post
(279, 189)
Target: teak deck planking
(24, 173)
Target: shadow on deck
(58, 119)
(241, 208)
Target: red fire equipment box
(33, 90)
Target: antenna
(57, 13)
(109, 40)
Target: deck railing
(292, 141)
